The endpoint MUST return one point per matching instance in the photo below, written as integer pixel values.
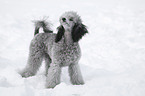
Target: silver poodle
(58, 50)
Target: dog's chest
(67, 54)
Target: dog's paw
(26, 74)
(78, 82)
(48, 85)
(51, 83)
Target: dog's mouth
(66, 24)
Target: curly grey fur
(58, 54)
(43, 24)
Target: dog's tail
(44, 24)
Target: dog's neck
(68, 37)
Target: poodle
(58, 50)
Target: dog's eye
(63, 19)
(71, 19)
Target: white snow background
(113, 53)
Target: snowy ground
(113, 59)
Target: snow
(113, 53)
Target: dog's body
(58, 50)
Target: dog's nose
(64, 19)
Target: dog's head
(71, 22)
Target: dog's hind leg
(47, 63)
(35, 58)
(75, 75)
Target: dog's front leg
(53, 76)
(47, 63)
(75, 74)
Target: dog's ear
(79, 30)
(60, 33)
